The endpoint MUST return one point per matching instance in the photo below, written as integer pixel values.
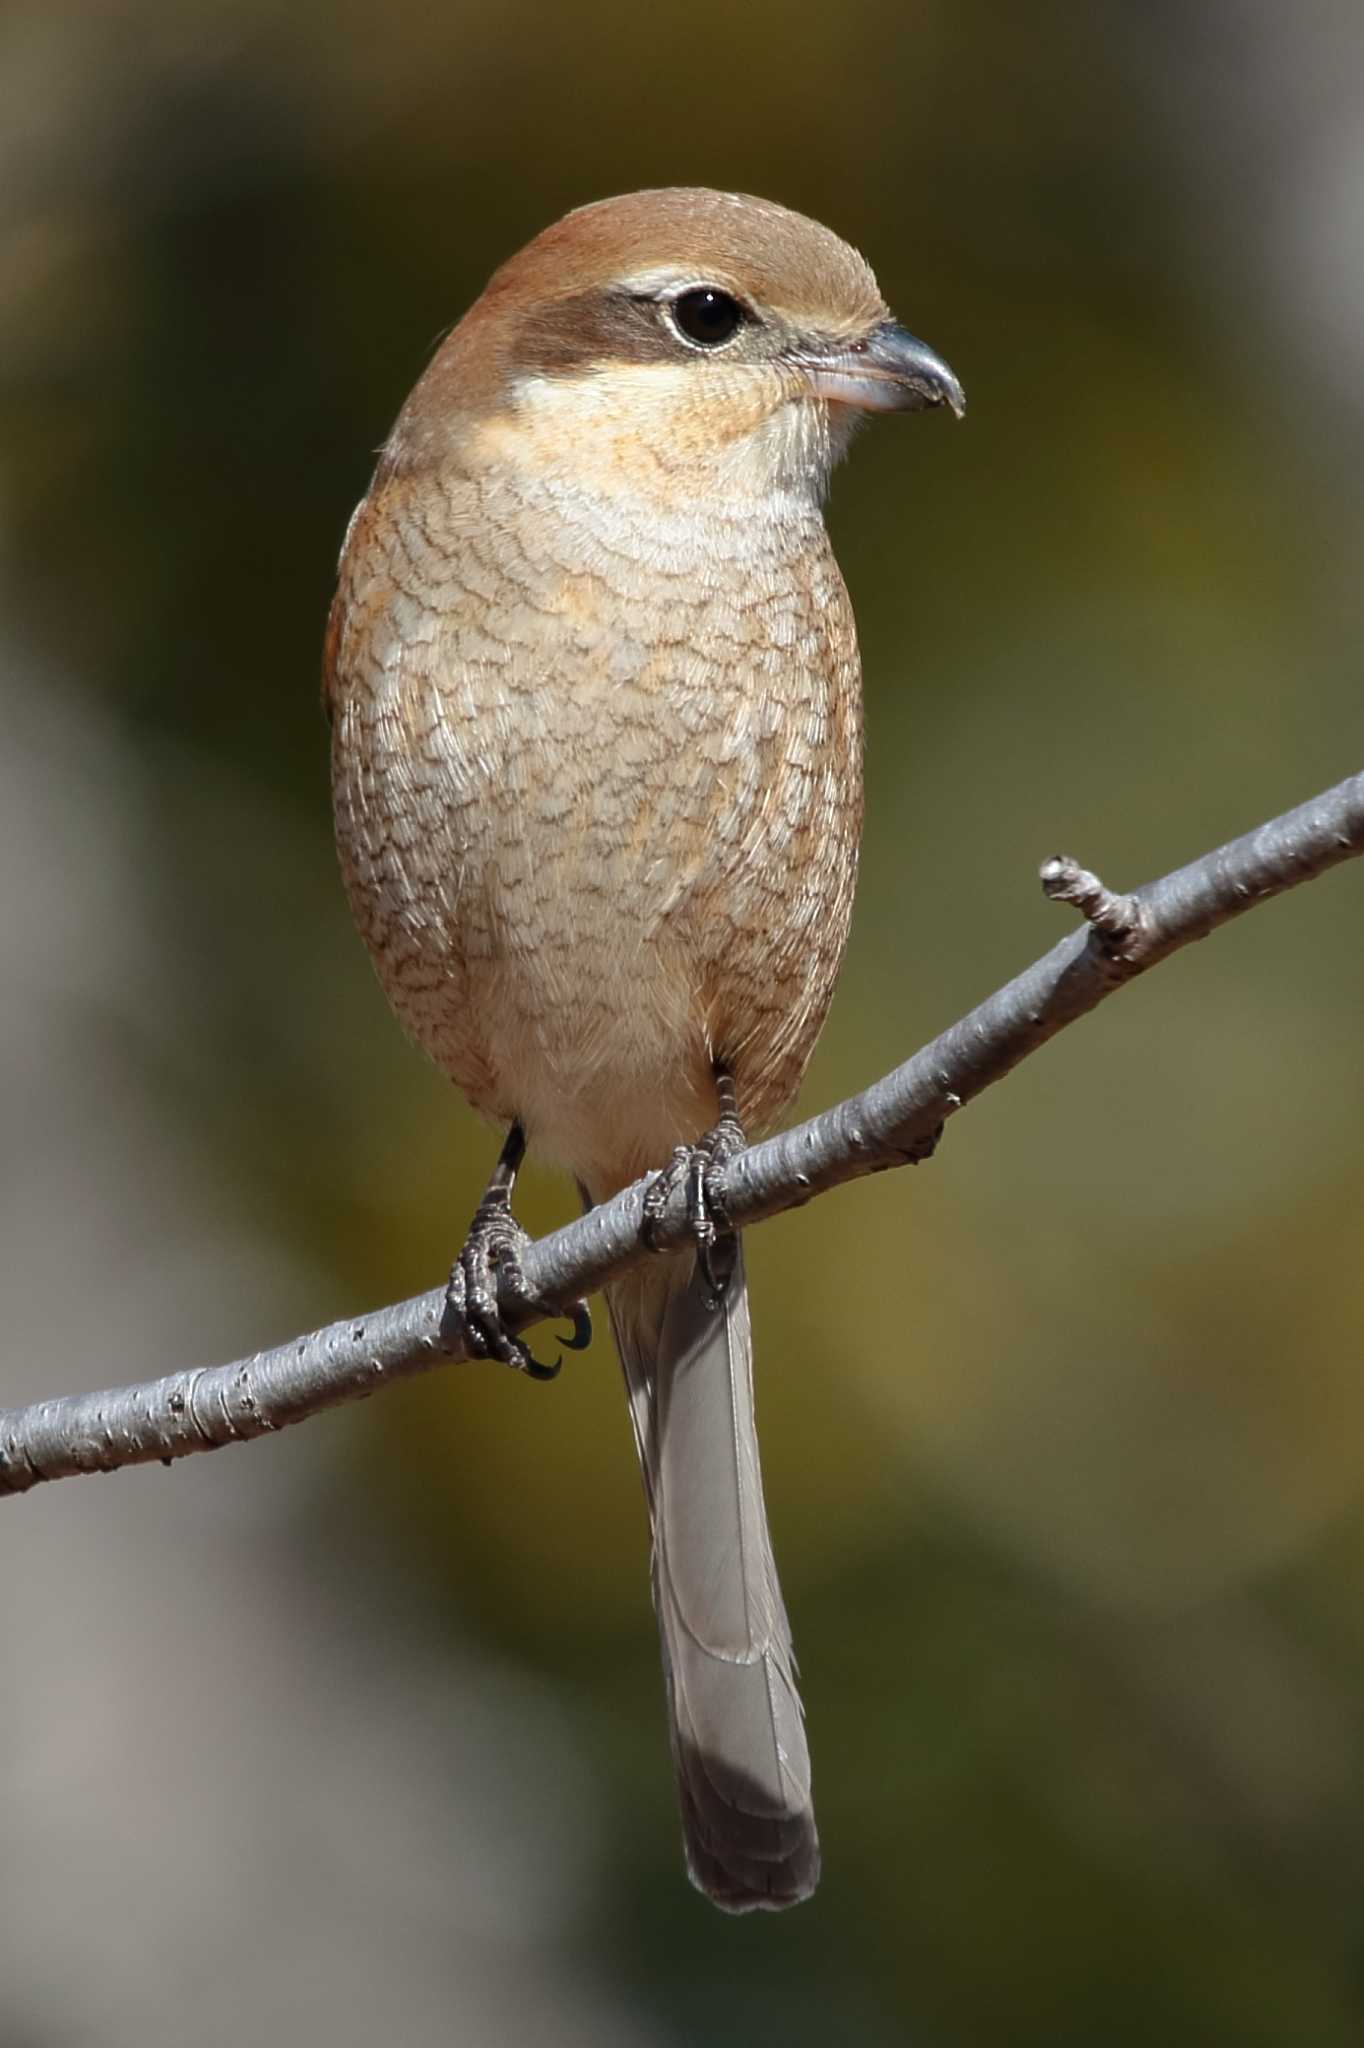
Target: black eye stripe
(567, 336)
(708, 316)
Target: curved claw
(716, 1282)
(579, 1340)
(581, 1334)
(582, 1328)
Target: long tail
(738, 1733)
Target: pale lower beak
(890, 371)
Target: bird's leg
(701, 1168)
(491, 1260)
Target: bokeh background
(357, 1734)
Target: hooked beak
(889, 371)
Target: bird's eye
(707, 316)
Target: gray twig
(1117, 919)
(895, 1121)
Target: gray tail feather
(737, 1728)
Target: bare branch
(895, 1122)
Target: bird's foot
(489, 1264)
(702, 1169)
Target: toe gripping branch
(490, 1264)
(702, 1168)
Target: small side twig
(1117, 919)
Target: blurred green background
(358, 1734)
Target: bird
(595, 696)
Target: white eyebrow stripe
(662, 279)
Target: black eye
(707, 316)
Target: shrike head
(670, 341)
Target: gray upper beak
(889, 371)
